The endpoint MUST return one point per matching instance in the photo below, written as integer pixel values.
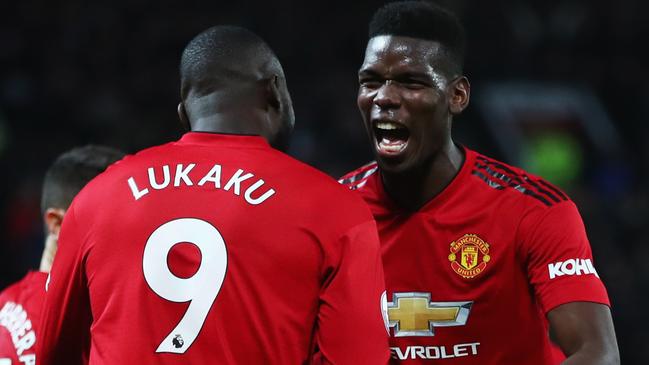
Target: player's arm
(65, 320)
(351, 326)
(567, 286)
(585, 333)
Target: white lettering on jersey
(262, 198)
(214, 176)
(435, 352)
(165, 182)
(14, 318)
(572, 267)
(182, 176)
(137, 193)
(236, 180)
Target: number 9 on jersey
(200, 289)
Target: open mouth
(391, 137)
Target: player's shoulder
(9, 292)
(499, 178)
(104, 181)
(144, 156)
(33, 281)
(311, 188)
(325, 187)
(101, 190)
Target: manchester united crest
(469, 256)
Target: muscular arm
(585, 333)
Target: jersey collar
(224, 139)
(449, 191)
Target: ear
(53, 218)
(182, 115)
(460, 93)
(272, 94)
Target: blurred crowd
(76, 72)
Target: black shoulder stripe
(497, 164)
(523, 185)
(538, 197)
(358, 177)
(551, 187)
(509, 183)
(489, 182)
(525, 179)
(541, 190)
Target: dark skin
(406, 83)
(394, 86)
(259, 105)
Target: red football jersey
(215, 249)
(20, 311)
(471, 275)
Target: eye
(413, 84)
(369, 83)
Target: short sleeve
(559, 259)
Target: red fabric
(295, 278)
(20, 311)
(527, 225)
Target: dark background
(77, 72)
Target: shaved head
(232, 82)
(223, 56)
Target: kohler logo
(572, 267)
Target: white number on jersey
(200, 289)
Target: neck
(239, 122)
(51, 244)
(231, 113)
(414, 188)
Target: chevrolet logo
(413, 314)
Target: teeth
(388, 126)
(390, 146)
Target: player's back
(213, 249)
(20, 309)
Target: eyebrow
(415, 75)
(367, 72)
(398, 75)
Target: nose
(387, 96)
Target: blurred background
(558, 88)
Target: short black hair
(423, 20)
(212, 57)
(72, 170)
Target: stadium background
(558, 87)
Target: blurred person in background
(21, 303)
(218, 248)
(477, 253)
